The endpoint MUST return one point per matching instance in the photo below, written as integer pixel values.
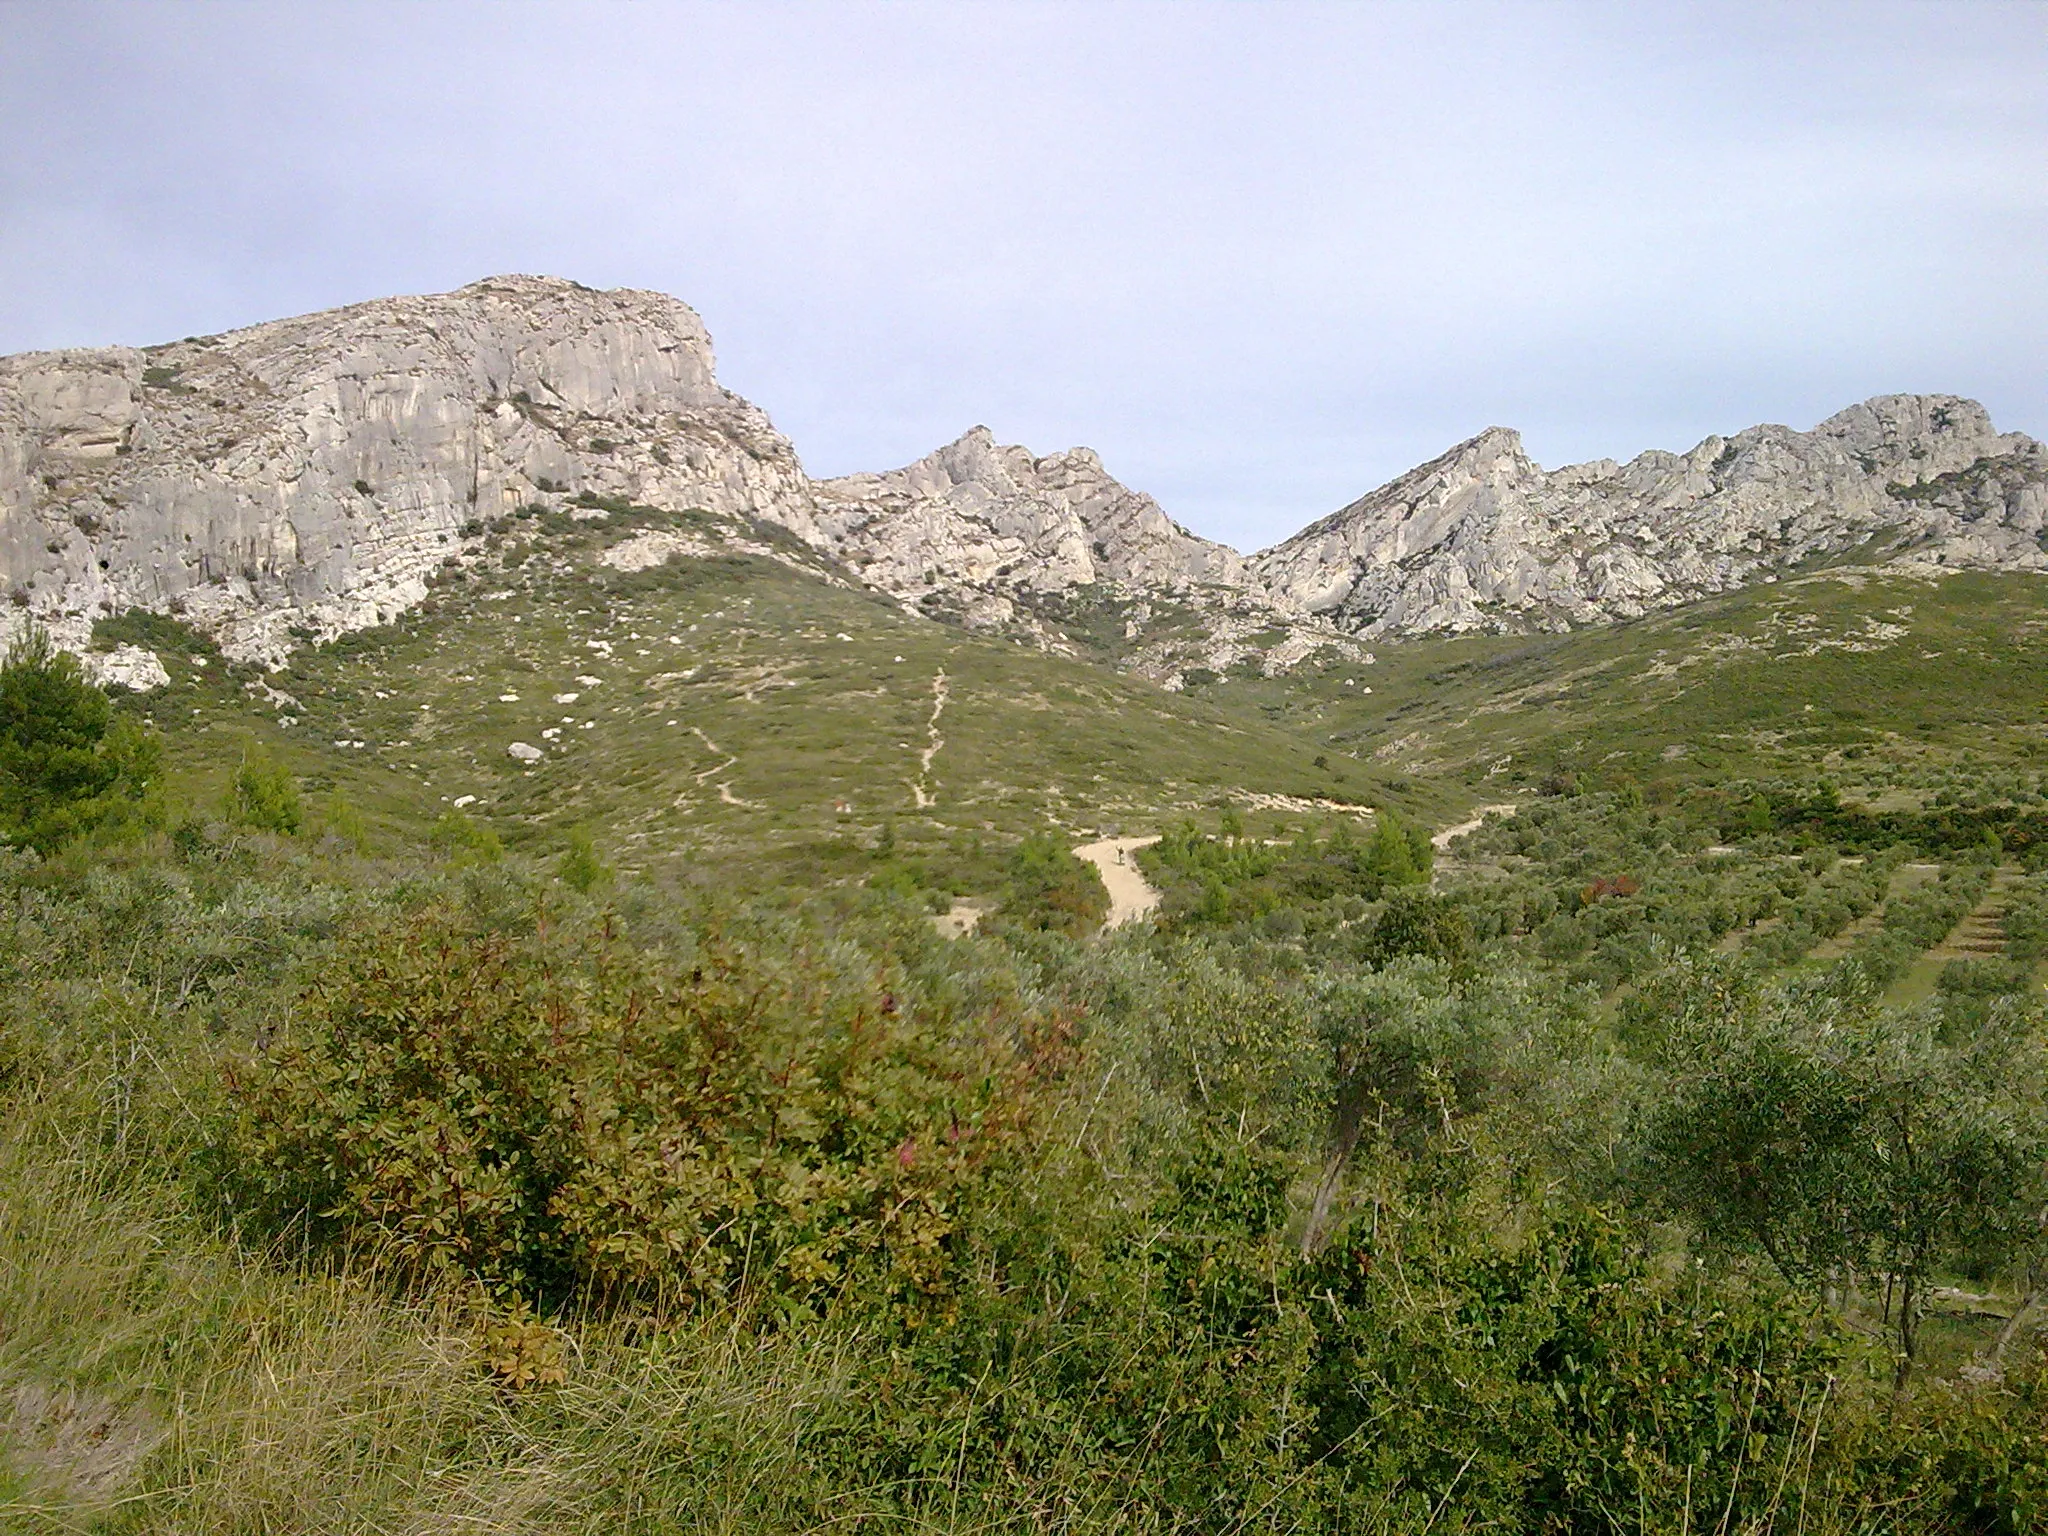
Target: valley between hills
(557, 974)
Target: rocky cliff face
(1482, 538)
(979, 512)
(309, 475)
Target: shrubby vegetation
(1228, 876)
(68, 763)
(1050, 890)
(570, 1118)
(1599, 1183)
(1382, 1224)
(264, 795)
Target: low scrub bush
(264, 795)
(562, 1114)
(1218, 880)
(1050, 890)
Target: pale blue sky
(1261, 256)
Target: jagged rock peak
(309, 476)
(982, 513)
(1483, 538)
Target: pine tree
(66, 762)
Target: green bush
(1231, 878)
(580, 868)
(1913, 922)
(264, 795)
(462, 839)
(2026, 922)
(68, 764)
(1832, 1137)
(158, 632)
(1419, 923)
(563, 1116)
(832, 1223)
(1559, 1385)
(1052, 891)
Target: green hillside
(734, 708)
(625, 1149)
(1885, 682)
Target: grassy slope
(1884, 682)
(1893, 685)
(739, 703)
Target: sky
(1262, 257)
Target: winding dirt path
(925, 798)
(1445, 838)
(725, 793)
(730, 759)
(1131, 895)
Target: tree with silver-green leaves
(1836, 1138)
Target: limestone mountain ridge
(307, 477)
(1482, 538)
(980, 512)
(303, 478)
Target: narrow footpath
(1131, 895)
(1444, 839)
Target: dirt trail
(731, 757)
(925, 798)
(725, 793)
(958, 920)
(1131, 895)
(1445, 838)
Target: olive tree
(1833, 1137)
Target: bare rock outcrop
(977, 513)
(1482, 538)
(307, 476)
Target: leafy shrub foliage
(580, 868)
(462, 839)
(1222, 879)
(154, 632)
(1579, 1191)
(1836, 1139)
(561, 1114)
(67, 762)
(1555, 1386)
(1052, 891)
(264, 795)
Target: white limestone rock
(987, 515)
(1484, 539)
(127, 666)
(309, 476)
(313, 473)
